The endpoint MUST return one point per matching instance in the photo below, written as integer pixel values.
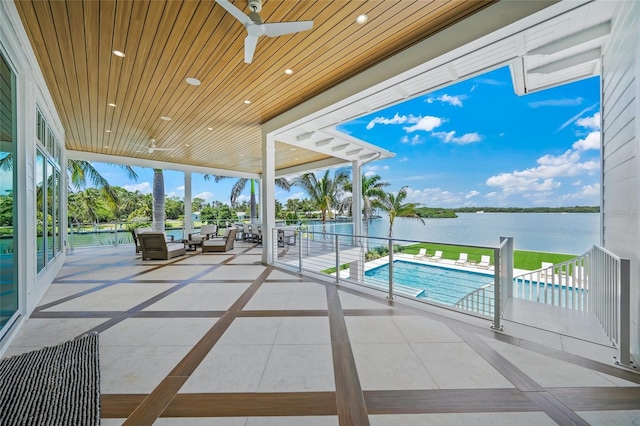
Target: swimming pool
(439, 284)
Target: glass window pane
(49, 210)
(8, 205)
(40, 206)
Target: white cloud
(434, 197)
(492, 194)
(541, 178)
(592, 122)
(403, 159)
(592, 141)
(577, 183)
(206, 196)
(370, 173)
(588, 192)
(415, 140)
(450, 137)
(180, 188)
(576, 117)
(396, 119)
(557, 102)
(471, 194)
(297, 196)
(490, 81)
(143, 187)
(426, 123)
(447, 99)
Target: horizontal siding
(620, 164)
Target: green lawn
(529, 260)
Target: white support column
(356, 208)
(188, 217)
(356, 268)
(267, 195)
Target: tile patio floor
(220, 339)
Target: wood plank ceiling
(166, 42)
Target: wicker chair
(154, 246)
(220, 243)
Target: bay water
(569, 233)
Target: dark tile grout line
(152, 407)
(499, 336)
(118, 281)
(547, 403)
(396, 401)
(154, 299)
(350, 403)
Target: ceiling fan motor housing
(255, 5)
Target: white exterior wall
(620, 149)
(31, 91)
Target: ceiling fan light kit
(256, 27)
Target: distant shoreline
(574, 209)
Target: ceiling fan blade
(237, 13)
(250, 43)
(281, 28)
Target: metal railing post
(390, 296)
(299, 250)
(116, 234)
(497, 303)
(624, 347)
(337, 261)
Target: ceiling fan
(152, 147)
(256, 27)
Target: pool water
(440, 284)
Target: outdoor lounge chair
(485, 262)
(422, 254)
(206, 232)
(136, 240)
(463, 260)
(436, 257)
(220, 243)
(155, 246)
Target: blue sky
(474, 143)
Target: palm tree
(324, 192)
(239, 186)
(158, 200)
(394, 206)
(80, 171)
(371, 192)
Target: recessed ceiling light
(111, 104)
(288, 71)
(361, 19)
(209, 128)
(292, 149)
(187, 144)
(165, 118)
(193, 81)
(118, 53)
(106, 146)
(247, 102)
(108, 131)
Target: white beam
(568, 62)
(588, 34)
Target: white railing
(610, 298)
(564, 284)
(480, 301)
(597, 282)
